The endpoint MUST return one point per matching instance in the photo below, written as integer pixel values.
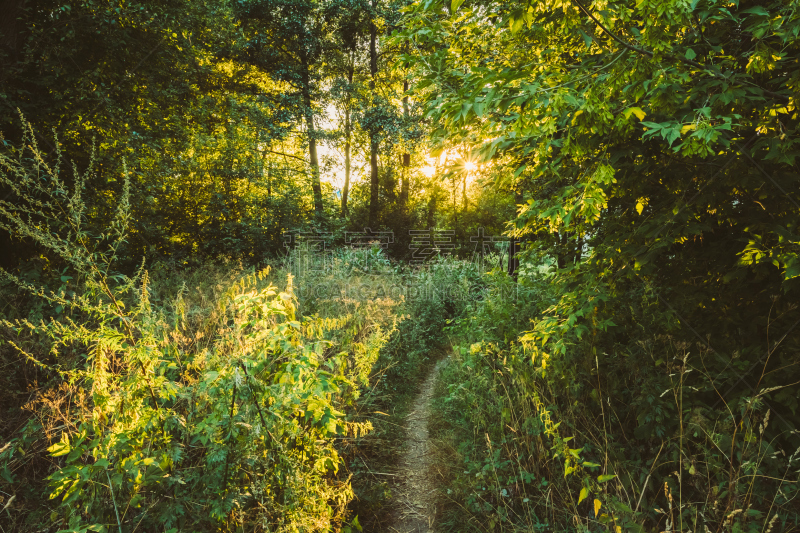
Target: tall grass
(584, 441)
(171, 400)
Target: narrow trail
(415, 499)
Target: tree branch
(282, 153)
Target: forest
(399, 266)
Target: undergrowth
(170, 400)
(209, 398)
(612, 433)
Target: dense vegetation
(654, 146)
(217, 296)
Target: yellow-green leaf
(634, 111)
(606, 477)
(584, 494)
(60, 448)
(528, 18)
(454, 5)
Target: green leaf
(758, 10)
(690, 54)
(792, 269)
(454, 5)
(586, 38)
(606, 477)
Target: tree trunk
(346, 188)
(464, 191)
(513, 261)
(432, 210)
(404, 188)
(578, 249)
(312, 143)
(347, 133)
(455, 201)
(373, 135)
(514, 244)
(564, 254)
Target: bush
(612, 432)
(198, 401)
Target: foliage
(210, 104)
(638, 372)
(554, 445)
(212, 416)
(652, 146)
(166, 85)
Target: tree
(288, 38)
(345, 68)
(656, 148)
(169, 86)
(374, 142)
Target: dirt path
(415, 491)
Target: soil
(415, 500)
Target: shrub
(198, 402)
(612, 432)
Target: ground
(415, 491)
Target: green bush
(610, 433)
(196, 402)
